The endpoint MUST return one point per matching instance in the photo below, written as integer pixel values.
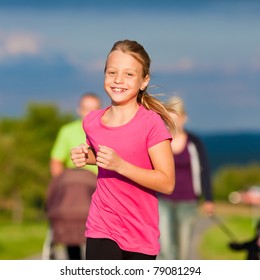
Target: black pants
(74, 252)
(106, 249)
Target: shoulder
(154, 126)
(151, 119)
(94, 114)
(93, 118)
(71, 125)
(149, 114)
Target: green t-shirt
(69, 136)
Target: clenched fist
(79, 155)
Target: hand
(79, 155)
(208, 208)
(107, 158)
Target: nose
(118, 78)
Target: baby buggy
(67, 205)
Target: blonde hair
(136, 50)
(177, 104)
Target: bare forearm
(153, 179)
(161, 178)
(56, 167)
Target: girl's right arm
(82, 155)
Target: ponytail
(152, 103)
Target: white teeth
(118, 89)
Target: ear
(145, 82)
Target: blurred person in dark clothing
(178, 211)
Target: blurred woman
(178, 210)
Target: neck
(120, 115)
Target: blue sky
(208, 52)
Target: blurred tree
(24, 158)
(232, 178)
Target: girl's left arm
(160, 179)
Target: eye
(110, 72)
(129, 74)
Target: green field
(21, 241)
(24, 241)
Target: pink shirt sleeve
(157, 130)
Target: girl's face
(123, 78)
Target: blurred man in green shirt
(71, 135)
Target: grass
(20, 241)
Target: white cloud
(192, 65)
(85, 64)
(183, 65)
(18, 43)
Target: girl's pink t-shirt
(122, 210)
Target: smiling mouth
(118, 89)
